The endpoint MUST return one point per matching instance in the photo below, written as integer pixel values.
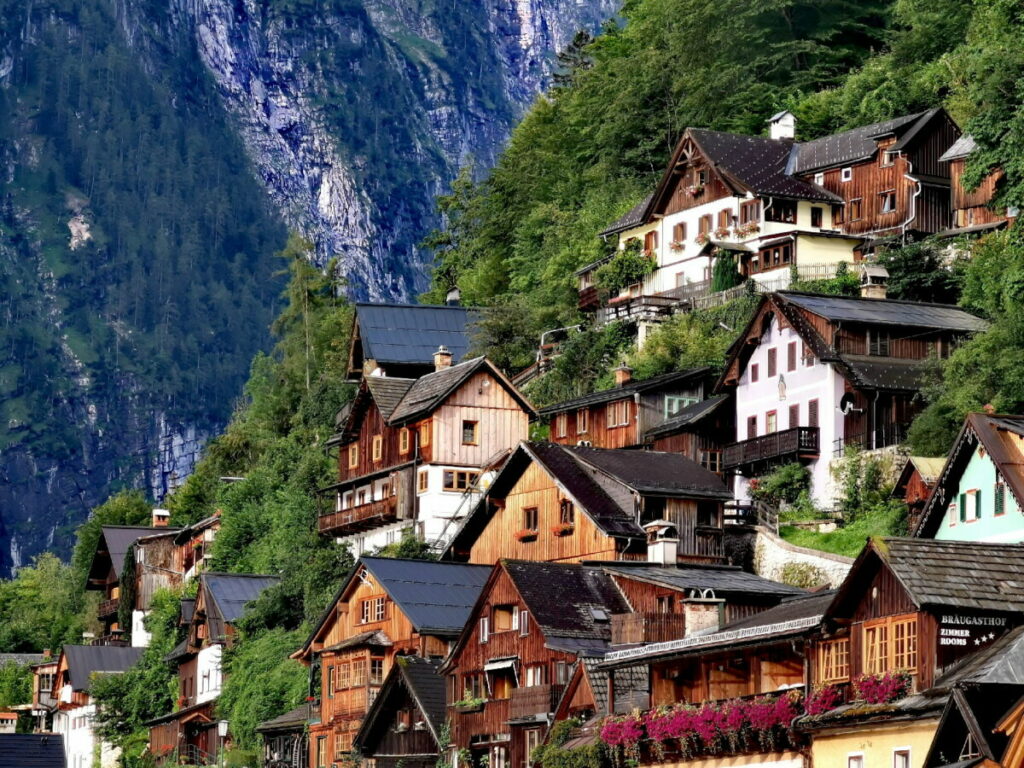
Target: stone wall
(762, 552)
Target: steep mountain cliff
(154, 154)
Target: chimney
(161, 517)
(454, 297)
(442, 358)
(782, 125)
(623, 375)
(873, 281)
(703, 612)
(47, 653)
(662, 542)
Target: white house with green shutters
(980, 493)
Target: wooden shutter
(751, 427)
(794, 416)
(772, 362)
(812, 413)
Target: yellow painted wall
(767, 760)
(823, 250)
(831, 749)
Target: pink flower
(823, 700)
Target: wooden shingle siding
(501, 423)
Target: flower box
(722, 232)
(677, 245)
(696, 190)
(563, 529)
(526, 535)
(469, 707)
(701, 239)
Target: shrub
(628, 266)
(786, 484)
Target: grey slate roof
(1001, 663)
(759, 164)
(634, 217)
(804, 606)
(560, 597)
(233, 591)
(32, 750)
(666, 380)
(86, 660)
(688, 416)
(119, 539)
(23, 659)
(631, 684)
(294, 719)
(374, 638)
(724, 580)
(436, 597)
(654, 472)
(429, 391)
(411, 333)
(387, 392)
(962, 147)
(886, 372)
(425, 685)
(910, 314)
(849, 146)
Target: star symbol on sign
(991, 635)
(977, 641)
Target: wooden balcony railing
(534, 701)
(633, 628)
(707, 545)
(108, 608)
(361, 518)
(799, 442)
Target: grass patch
(885, 520)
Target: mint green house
(979, 495)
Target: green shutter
(963, 507)
(977, 504)
(999, 498)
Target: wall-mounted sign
(963, 634)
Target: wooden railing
(707, 543)
(360, 518)
(796, 442)
(534, 700)
(633, 628)
(492, 719)
(108, 607)
(881, 437)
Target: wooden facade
(974, 207)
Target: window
(485, 630)
(791, 356)
(378, 447)
(524, 623)
(376, 670)
(499, 757)
(750, 212)
(582, 421)
(617, 413)
(321, 752)
(469, 432)
(999, 497)
(501, 686)
(819, 179)
(530, 518)
(846, 174)
(855, 761)
(561, 672)
(502, 617)
(403, 440)
(651, 242)
(904, 643)
(855, 209)
(344, 677)
(812, 413)
(561, 424)
(666, 604)
(566, 511)
(886, 158)
(675, 403)
(711, 460)
(834, 661)
(970, 509)
(702, 178)
(361, 497)
(679, 233)
(772, 362)
(725, 218)
(771, 422)
(704, 224)
(783, 211)
(888, 202)
(755, 371)
(459, 480)
(794, 416)
(751, 427)
(808, 356)
(536, 674)
(817, 216)
(970, 749)
(876, 648)
(424, 434)
(878, 343)
(952, 513)
(837, 215)
(353, 456)
(422, 481)
(890, 644)
(372, 610)
(330, 682)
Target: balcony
(636, 308)
(634, 628)
(707, 546)
(108, 608)
(480, 727)
(534, 702)
(590, 299)
(882, 437)
(799, 443)
(360, 518)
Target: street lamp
(222, 732)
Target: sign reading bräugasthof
(962, 634)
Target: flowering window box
(526, 534)
(563, 529)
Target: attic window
(970, 749)
(887, 158)
(470, 432)
(819, 179)
(846, 174)
(702, 178)
(598, 614)
(403, 440)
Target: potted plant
(469, 703)
(563, 529)
(722, 232)
(526, 534)
(701, 239)
(696, 190)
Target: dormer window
(819, 179)
(887, 158)
(702, 178)
(846, 174)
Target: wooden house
(193, 546)
(404, 727)
(190, 733)
(915, 483)
(387, 608)
(973, 211)
(44, 699)
(980, 490)
(411, 452)
(621, 416)
(400, 340)
(108, 568)
(78, 666)
(811, 375)
(507, 672)
(560, 503)
(285, 744)
(699, 431)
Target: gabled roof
(654, 473)
(961, 148)
(687, 417)
(84, 661)
(936, 574)
(723, 580)
(634, 217)
(293, 720)
(25, 659)
(232, 592)
(1003, 440)
(422, 680)
(32, 750)
(411, 333)
(854, 145)
(666, 381)
(119, 539)
(387, 392)
(188, 531)
(913, 314)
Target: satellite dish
(846, 404)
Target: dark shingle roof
(849, 146)
(911, 314)
(758, 164)
(374, 638)
(437, 598)
(233, 591)
(617, 393)
(654, 472)
(634, 217)
(23, 659)
(295, 719)
(886, 372)
(560, 598)
(688, 416)
(387, 392)
(84, 661)
(411, 333)
(119, 539)
(422, 680)
(631, 685)
(805, 606)
(724, 580)
(31, 750)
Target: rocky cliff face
(153, 154)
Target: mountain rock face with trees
(154, 155)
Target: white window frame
(854, 760)
(819, 179)
(846, 174)
(485, 630)
(896, 751)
